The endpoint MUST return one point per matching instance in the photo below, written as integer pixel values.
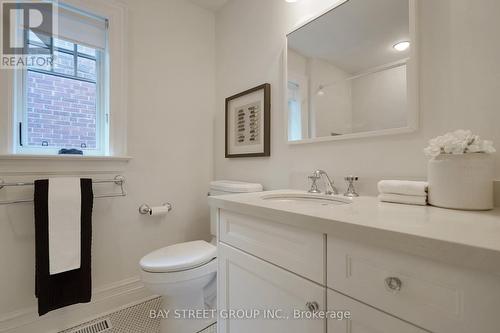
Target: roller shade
(81, 28)
(75, 26)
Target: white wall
(460, 81)
(171, 104)
(297, 63)
(365, 103)
(379, 100)
(332, 111)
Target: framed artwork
(248, 123)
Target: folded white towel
(404, 199)
(64, 224)
(404, 187)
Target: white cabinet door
(364, 319)
(249, 284)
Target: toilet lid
(234, 186)
(179, 257)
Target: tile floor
(135, 319)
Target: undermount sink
(308, 198)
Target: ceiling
(213, 5)
(356, 36)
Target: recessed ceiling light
(401, 46)
(291, 1)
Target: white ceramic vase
(461, 181)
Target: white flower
(458, 143)
(474, 148)
(487, 147)
(432, 151)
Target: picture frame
(248, 123)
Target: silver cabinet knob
(393, 284)
(312, 306)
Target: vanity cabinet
(248, 283)
(266, 265)
(436, 296)
(364, 319)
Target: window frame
(302, 82)
(115, 87)
(102, 111)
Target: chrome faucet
(320, 174)
(351, 190)
(314, 184)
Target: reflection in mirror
(347, 71)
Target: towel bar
(118, 180)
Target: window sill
(65, 158)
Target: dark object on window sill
(70, 152)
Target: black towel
(67, 288)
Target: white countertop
(465, 238)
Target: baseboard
(106, 299)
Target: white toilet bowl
(182, 275)
(185, 274)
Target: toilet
(185, 274)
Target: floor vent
(97, 327)
(132, 319)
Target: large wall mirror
(351, 72)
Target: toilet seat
(180, 276)
(179, 257)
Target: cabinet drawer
(300, 251)
(435, 296)
(364, 319)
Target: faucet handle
(351, 190)
(314, 186)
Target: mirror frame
(412, 82)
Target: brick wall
(61, 111)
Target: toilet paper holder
(145, 209)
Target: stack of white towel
(403, 191)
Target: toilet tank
(223, 187)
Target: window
(64, 104)
(294, 112)
(86, 84)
